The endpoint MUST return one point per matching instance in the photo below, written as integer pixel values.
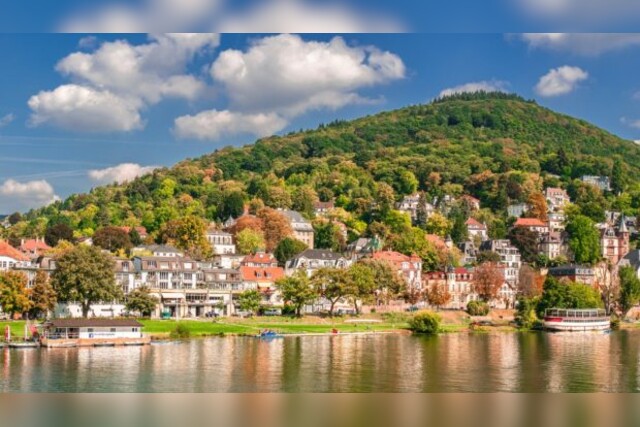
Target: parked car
(271, 312)
(412, 309)
(211, 314)
(346, 311)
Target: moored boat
(576, 320)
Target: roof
(555, 190)
(438, 241)
(323, 254)
(261, 274)
(323, 205)
(162, 248)
(140, 229)
(260, 258)
(33, 245)
(393, 256)
(10, 252)
(529, 222)
(475, 223)
(570, 270)
(97, 322)
(471, 198)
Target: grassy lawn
(17, 328)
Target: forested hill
(496, 147)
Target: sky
(78, 110)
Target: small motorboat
(25, 344)
(268, 334)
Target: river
(462, 362)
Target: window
(113, 329)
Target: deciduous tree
(333, 284)
(287, 249)
(629, 289)
(584, 239)
(276, 227)
(487, 281)
(58, 232)
(141, 301)
(14, 296)
(249, 241)
(297, 290)
(43, 297)
(112, 239)
(250, 301)
(438, 295)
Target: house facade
(311, 260)
(409, 267)
(221, 242)
(302, 228)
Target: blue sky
(77, 111)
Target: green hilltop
(497, 147)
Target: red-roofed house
(263, 279)
(533, 224)
(33, 247)
(476, 228)
(458, 282)
(409, 267)
(557, 198)
(10, 256)
(142, 231)
(471, 201)
(259, 259)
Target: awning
(156, 295)
(173, 295)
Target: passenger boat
(576, 320)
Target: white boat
(576, 320)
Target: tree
(189, 234)
(629, 289)
(297, 290)
(362, 283)
(43, 297)
(134, 237)
(232, 205)
(249, 241)
(567, 295)
(530, 282)
(385, 198)
(538, 206)
(439, 225)
(14, 296)
(422, 213)
(85, 275)
(619, 177)
(250, 301)
(388, 283)
(141, 301)
(438, 295)
(57, 232)
(327, 235)
(459, 230)
(487, 256)
(276, 227)
(304, 199)
(14, 218)
(526, 241)
(333, 284)
(287, 249)
(487, 281)
(584, 239)
(113, 239)
(425, 323)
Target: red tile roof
(33, 245)
(475, 223)
(259, 258)
(529, 222)
(9, 251)
(395, 257)
(436, 240)
(261, 274)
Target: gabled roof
(259, 258)
(319, 254)
(9, 251)
(395, 257)
(33, 245)
(529, 222)
(261, 274)
(475, 223)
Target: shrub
(526, 313)
(181, 331)
(425, 322)
(477, 308)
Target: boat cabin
(563, 319)
(87, 332)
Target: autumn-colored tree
(530, 282)
(438, 224)
(438, 295)
(112, 239)
(487, 280)
(276, 227)
(249, 241)
(43, 297)
(333, 284)
(304, 199)
(247, 222)
(538, 206)
(187, 233)
(385, 197)
(14, 296)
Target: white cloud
(290, 76)
(84, 109)
(121, 173)
(213, 125)
(582, 12)
(472, 87)
(588, 44)
(111, 85)
(149, 16)
(7, 119)
(287, 16)
(560, 81)
(634, 123)
(21, 196)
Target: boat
(268, 334)
(22, 345)
(576, 320)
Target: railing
(60, 336)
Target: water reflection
(528, 362)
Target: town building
(552, 245)
(164, 251)
(263, 279)
(311, 260)
(509, 258)
(471, 202)
(10, 256)
(556, 221)
(602, 182)
(221, 242)
(532, 224)
(614, 243)
(574, 273)
(517, 210)
(458, 282)
(362, 247)
(469, 252)
(557, 199)
(34, 248)
(260, 259)
(411, 205)
(92, 332)
(632, 259)
(409, 267)
(477, 230)
(323, 208)
(302, 228)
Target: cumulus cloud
(588, 44)
(144, 17)
(123, 172)
(472, 87)
(21, 196)
(582, 12)
(290, 76)
(287, 16)
(85, 109)
(111, 85)
(560, 81)
(213, 125)
(7, 119)
(260, 16)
